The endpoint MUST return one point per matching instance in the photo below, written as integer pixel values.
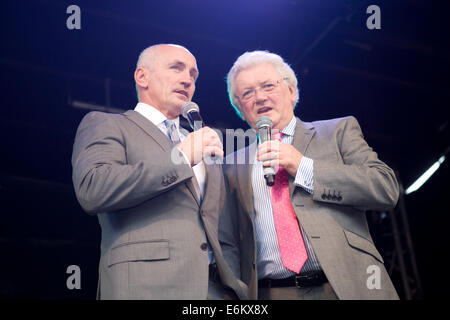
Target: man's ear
(141, 77)
(293, 94)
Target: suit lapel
(244, 174)
(192, 184)
(212, 191)
(163, 141)
(194, 188)
(304, 132)
(153, 131)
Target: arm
(102, 177)
(362, 180)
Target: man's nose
(187, 80)
(260, 95)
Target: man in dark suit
(157, 200)
(305, 237)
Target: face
(170, 80)
(277, 104)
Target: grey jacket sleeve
(361, 180)
(103, 178)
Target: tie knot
(172, 131)
(169, 123)
(277, 136)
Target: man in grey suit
(156, 199)
(305, 237)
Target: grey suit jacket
(154, 228)
(348, 180)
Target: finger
(213, 151)
(268, 156)
(208, 132)
(271, 163)
(218, 152)
(269, 146)
(211, 138)
(215, 143)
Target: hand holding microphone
(203, 142)
(274, 153)
(264, 126)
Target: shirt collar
(153, 114)
(290, 128)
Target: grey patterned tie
(172, 131)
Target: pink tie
(290, 240)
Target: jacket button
(204, 246)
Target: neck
(165, 112)
(280, 126)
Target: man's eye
(247, 93)
(268, 86)
(176, 67)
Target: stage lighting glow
(425, 176)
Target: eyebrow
(251, 87)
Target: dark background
(393, 80)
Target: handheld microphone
(191, 112)
(264, 126)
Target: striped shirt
(269, 264)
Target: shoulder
(95, 124)
(336, 126)
(102, 119)
(97, 116)
(334, 123)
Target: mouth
(183, 93)
(264, 110)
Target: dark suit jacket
(348, 180)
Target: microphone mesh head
(188, 107)
(263, 121)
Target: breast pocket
(139, 251)
(362, 244)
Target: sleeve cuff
(304, 177)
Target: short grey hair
(250, 59)
(148, 56)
